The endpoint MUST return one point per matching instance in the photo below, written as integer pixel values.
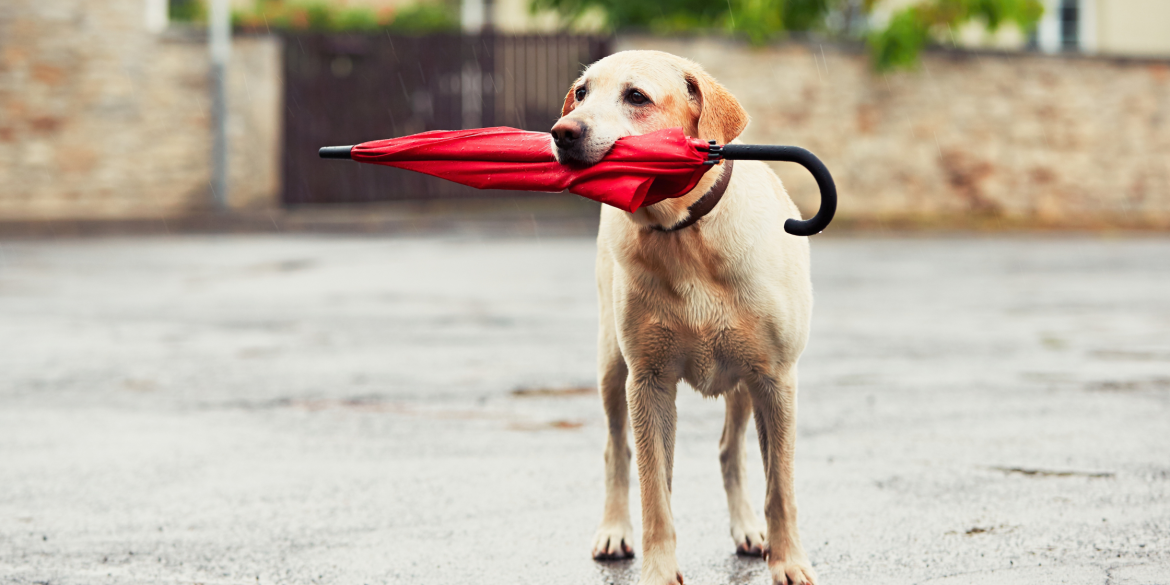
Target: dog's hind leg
(746, 529)
(774, 399)
(615, 536)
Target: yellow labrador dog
(706, 288)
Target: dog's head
(636, 92)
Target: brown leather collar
(705, 203)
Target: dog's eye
(637, 98)
(580, 94)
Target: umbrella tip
(335, 152)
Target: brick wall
(101, 118)
(1030, 139)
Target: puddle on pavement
(285, 265)
(140, 385)
(561, 425)
(1036, 472)
(1130, 356)
(377, 404)
(554, 392)
(1129, 385)
(977, 530)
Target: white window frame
(1048, 29)
(157, 15)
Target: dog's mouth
(580, 156)
(579, 144)
(572, 158)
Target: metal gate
(347, 89)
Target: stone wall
(100, 118)
(1030, 139)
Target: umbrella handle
(802, 157)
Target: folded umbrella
(637, 172)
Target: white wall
(1133, 27)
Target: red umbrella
(638, 171)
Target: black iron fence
(347, 89)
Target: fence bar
(220, 47)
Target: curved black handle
(804, 158)
(335, 152)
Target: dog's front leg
(615, 536)
(774, 401)
(653, 417)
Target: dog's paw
(613, 541)
(798, 572)
(749, 536)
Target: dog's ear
(570, 100)
(721, 118)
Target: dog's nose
(567, 133)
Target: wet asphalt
(361, 410)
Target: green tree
(420, 17)
(913, 27)
(896, 45)
(760, 20)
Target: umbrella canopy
(638, 171)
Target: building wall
(1136, 28)
(100, 117)
(1028, 138)
(1133, 27)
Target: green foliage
(759, 20)
(356, 19)
(425, 17)
(185, 10)
(910, 29)
(324, 16)
(806, 15)
(663, 17)
(898, 45)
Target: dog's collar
(705, 203)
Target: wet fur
(723, 305)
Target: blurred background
(108, 107)
(225, 360)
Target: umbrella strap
(705, 203)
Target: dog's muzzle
(569, 137)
